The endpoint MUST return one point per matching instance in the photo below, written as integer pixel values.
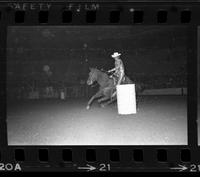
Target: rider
(119, 69)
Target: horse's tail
(127, 80)
(140, 87)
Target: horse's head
(92, 76)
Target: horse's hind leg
(110, 101)
(102, 99)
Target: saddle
(115, 79)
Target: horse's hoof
(88, 107)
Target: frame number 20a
(10, 167)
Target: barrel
(126, 99)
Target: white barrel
(126, 99)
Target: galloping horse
(106, 87)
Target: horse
(107, 87)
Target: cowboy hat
(115, 54)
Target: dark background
(155, 56)
(198, 69)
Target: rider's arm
(111, 70)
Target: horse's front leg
(97, 95)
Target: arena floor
(160, 120)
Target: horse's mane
(100, 71)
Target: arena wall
(167, 91)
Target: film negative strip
(99, 86)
